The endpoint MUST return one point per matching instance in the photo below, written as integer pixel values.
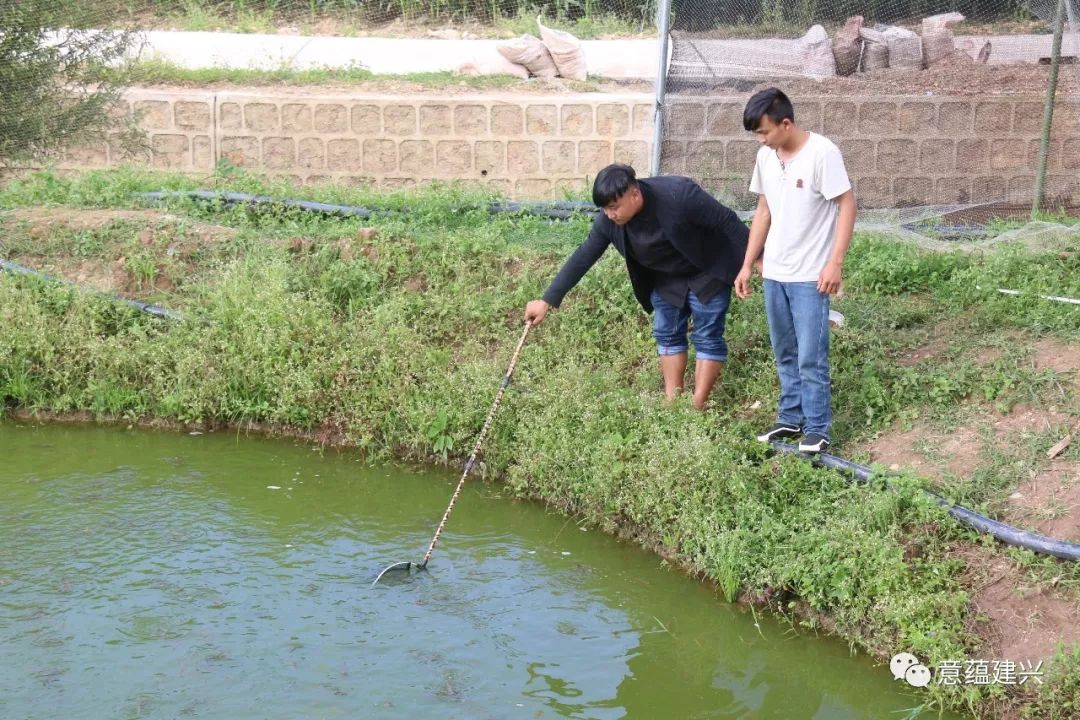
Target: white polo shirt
(802, 202)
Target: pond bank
(395, 341)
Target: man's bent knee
(668, 350)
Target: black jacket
(710, 235)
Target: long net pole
(479, 442)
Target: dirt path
(160, 237)
(1018, 616)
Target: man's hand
(829, 281)
(535, 310)
(742, 282)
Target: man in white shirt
(804, 219)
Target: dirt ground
(43, 220)
(147, 227)
(466, 86)
(1018, 618)
(969, 80)
(960, 79)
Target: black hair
(612, 183)
(772, 102)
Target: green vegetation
(153, 72)
(395, 342)
(53, 91)
(585, 18)
(504, 18)
(613, 19)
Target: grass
(395, 344)
(590, 19)
(587, 27)
(161, 72)
(587, 19)
(199, 16)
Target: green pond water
(160, 575)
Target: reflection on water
(150, 575)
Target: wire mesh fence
(934, 103)
(58, 59)
(488, 17)
(938, 107)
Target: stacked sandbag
(875, 54)
(905, 48)
(566, 52)
(847, 46)
(938, 44)
(492, 63)
(816, 55)
(530, 52)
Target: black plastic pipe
(231, 198)
(554, 210)
(155, 310)
(559, 210)
(1006, 533)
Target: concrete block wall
(900, 151)
(529, 146)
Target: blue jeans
(670, 324)
(799, 330)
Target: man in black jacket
(683, 250)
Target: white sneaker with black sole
(814, 443)
(780, 431)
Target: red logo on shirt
(798, 183)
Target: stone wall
(525, 145)
(900, 151)
(903, 150)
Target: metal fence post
(1048, 111)
(664, 19)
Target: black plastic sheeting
(155, 310)
(1006, 533)
(555, 210)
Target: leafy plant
(53, 90)
(441, 442)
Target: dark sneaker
(814, 443)
(780, 431)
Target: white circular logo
(900, 663)
(918, 676)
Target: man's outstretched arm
(575, 267)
